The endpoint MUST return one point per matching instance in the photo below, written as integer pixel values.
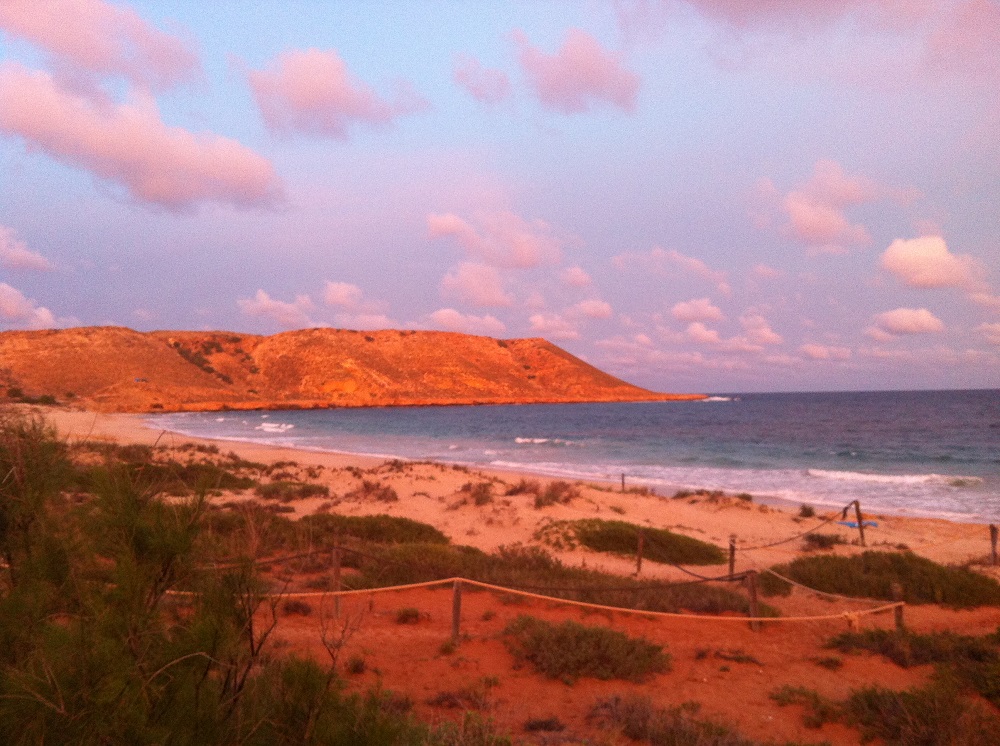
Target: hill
(119, 369)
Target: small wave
(718, 398)
(857, 476)
(274, 427)
(542, 441)
(535, 441)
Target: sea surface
(928, 453)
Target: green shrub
(569, 650)
(481, 493)
(524, 487)
(974, 661)
(408, 615)
(659, 545)
(934, 714)
(872, 574)
(821, 541)
(286, 491)
(370, 528)
(556, 492)
(807, 511)
(639, 720)
(373, 490)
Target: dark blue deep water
(912, 452)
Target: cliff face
(118, 369)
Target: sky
(693, 195)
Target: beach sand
(410, 660)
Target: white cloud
(15, 254)
(22, 311)
(758, 330)
(476, 284)
(294, 315)
(699, 309)
(451, 320)
(342, 294)
(660, 261)
(905, 321)
(593, 309)
(926, 262)
(553, 326)
(698, 332)
(500, 238)
(576, 277)
(991, 332)
(824, 352)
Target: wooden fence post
(861, 521)
(456, 611)
(993, 544)
(623, 481)
(336, 577)
(732, 555)
(754, 607)
(640, 542)
(897, 595)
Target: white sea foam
(274, 427)
(857, 476)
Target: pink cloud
(23, 312)
(476, 284)
(758, 330)
(766, 272)
(906, 321)
(130, 145)
(815, 210)
(15, 254)
(486, 85)
(501, 238)
(576, 277)
(342, 294)
(805, 13)
(991, 332)
(824, 352)
(553, 326)
(966, 43)
(593, 309)
(102, 38)
(660, 261)
(698, 332)
(294, 315)
(700, 309)
(579, 75)
(451, 320)
(312, 91)
(926, 262)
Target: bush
(408, 615)
(371, 528)
(569, 650)
(639, 720)
(481, 493)
(659, 545)
(556, 492)
(821, 541)
(872, 574)
(974, 661)
(373, 490)
(286, 491)
(807, 511)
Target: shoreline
(431, 492)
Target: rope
(812, 590)
(797, 536)
(851, 617)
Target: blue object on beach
(854, 524)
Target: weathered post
(754, 606)
(623, 481)
(456, 611)
(336, 577)
(640, 542)
(861, 521)
(897, 595)
(732, 555)
(993, 544)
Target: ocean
(925, 453)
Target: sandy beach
(730, 670)
(431, 493)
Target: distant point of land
(119, 369)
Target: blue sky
(695, 195)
